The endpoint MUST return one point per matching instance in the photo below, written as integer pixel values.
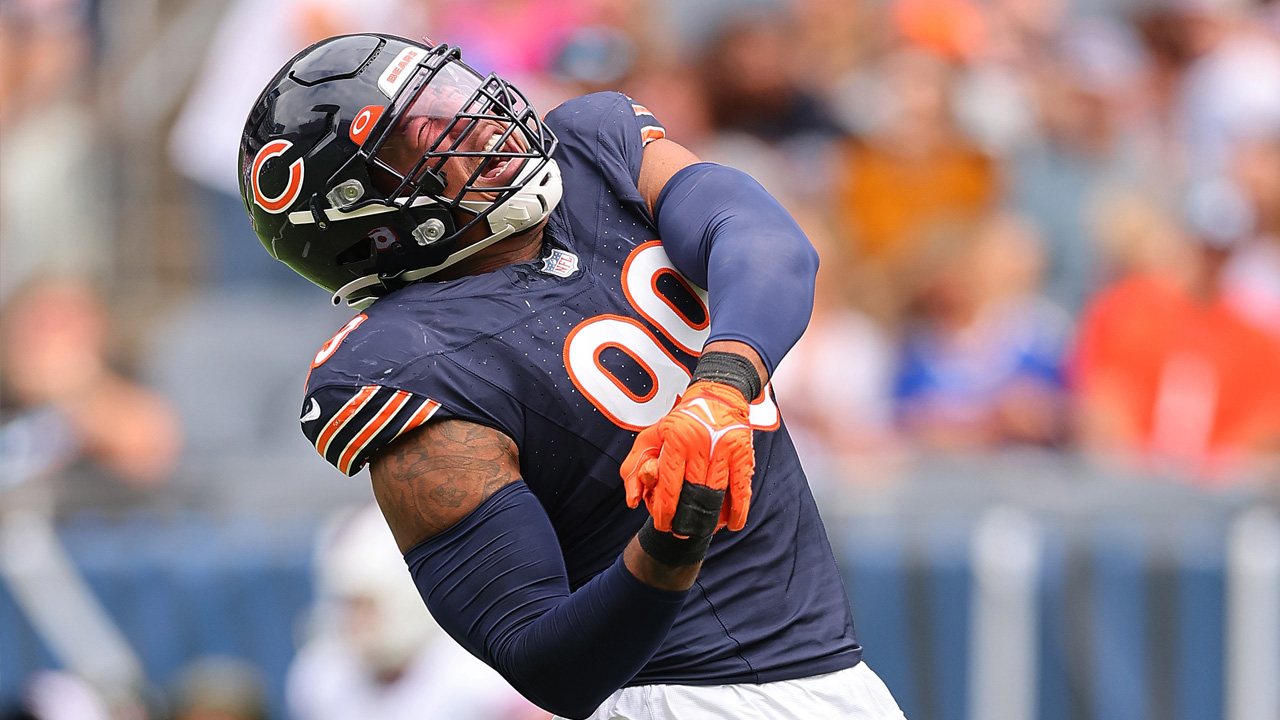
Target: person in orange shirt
(914, 183)
(1165, 371)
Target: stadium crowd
(1045, 225)
(1041, 223)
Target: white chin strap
(531, 205)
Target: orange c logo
(291, 191)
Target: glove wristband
(696, 516)
(668, 549)
(729, 369)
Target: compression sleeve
(729, 235)
(496, 582)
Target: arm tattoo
(432, 477)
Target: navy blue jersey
(570, 355)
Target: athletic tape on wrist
(671, 550)
(695, 519)
(729, 369)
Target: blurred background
(1039, 399)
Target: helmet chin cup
(539, 194)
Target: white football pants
(855, 693)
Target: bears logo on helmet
(371, 161)
(297, 172)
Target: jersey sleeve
(346, 424)
(383, 380)
(604, 134)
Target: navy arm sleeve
(496, 582)
(729, 235)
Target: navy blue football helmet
(368, 160)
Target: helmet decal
(364, 122)
(395, 75)
(291, 191)
(383, 238)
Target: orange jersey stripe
(343, 416)
(421, 415)
(372, 428)
(641, 110)
(649, 133)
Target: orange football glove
(706, 440)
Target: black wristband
(729, 369)
(695, 519)
(671, 550)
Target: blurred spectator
(955, 29)
(1251, 281)
(982, 362)
(220, 688)
(253, 40)
(52, 204)
(1165, 372)
(766, 122)
(832, 38)
(377, 652)
(749, 85)
(514, 38)
(836, 383)
(62, 401)
(674, 93)
(1231, 88)
(912, 176)
(1090, 145)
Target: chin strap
(529, 206)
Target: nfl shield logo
(560, 263)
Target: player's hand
(705, 440)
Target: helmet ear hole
(362, 251)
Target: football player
(559, 380)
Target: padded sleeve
(729, 235)
(495, 581)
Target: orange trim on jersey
(649, 133)
(706, 314)
(568, 342)
(372, 428)
(420, 416)
(331, 345)
(342, 417)
(631, 299)
(639, 109)
(643, 365)
(766, 398)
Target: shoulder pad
(605, 126)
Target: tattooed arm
(429, 479)
(486, 560)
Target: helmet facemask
(453, 139)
